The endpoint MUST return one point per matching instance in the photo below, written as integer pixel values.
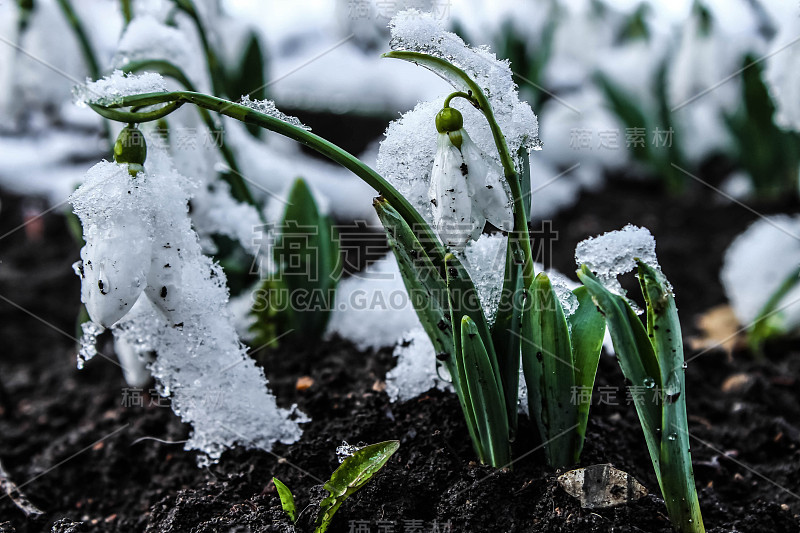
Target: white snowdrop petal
(115, 266)
(201, 364)
(755, 265)
(164, 279)
(487, 185)
(113, 208)
(450, 197)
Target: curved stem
(248, 115)
(234, 178)
(135, 117)
(460, 94)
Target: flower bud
(131, 148)
(449, 119)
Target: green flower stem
(214, 65)
(520, 236)
(83, 39)
(761, 328)
(460, 94)
(239, 188)
(250, 116)
(127, 11)
(136, 117)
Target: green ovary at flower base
(466, 187)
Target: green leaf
(770, 322)
(464, 301)
(424, 284)
(636, 358)
(305, 253)
(525, 179)
(652, 360)
(677, 476)
(354, 472)
(550, 372)
(248, 77)
(769, 154)
(287, 499)
(506, 335)
(587, 330)
(485, 396)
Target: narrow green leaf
(525, 179)
(550, 371)
(677, 476)
(506, 336)
(354, 472)
(248, 76)
(636, 358)
(769, 322)
(485, 396)
(287, 499)
(424, 284)
(587, 330)
(304, 252)
(464, 301)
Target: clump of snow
(88, 341)
(372, 308)
(782, 70)
(758, 262)
(563, 287)
(215, 211)
(268, 107)
(416, 370)
(113, 88)
(615, 253)
(406, 154)
(485, 260)
(147, 38)
(182, 315)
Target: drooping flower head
(466, 187)
(407, 154)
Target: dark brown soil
(75, 450)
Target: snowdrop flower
(466, 187)
(113, 204)
(115, 260)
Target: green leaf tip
(354, 472)
(287, 499)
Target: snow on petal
(115, 213)
(783, 73)
(183, 316)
